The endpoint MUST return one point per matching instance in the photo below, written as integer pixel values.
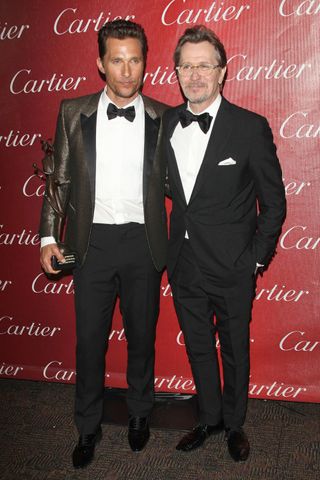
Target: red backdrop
(48, 52)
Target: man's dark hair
(122, 29)
(198, 34)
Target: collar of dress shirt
(136, 102)
(211, 109)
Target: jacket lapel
(88, 119)
(172, 162)
(152, 126)
(220, 134)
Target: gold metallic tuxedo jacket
(74, 175)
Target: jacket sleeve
(57, 183)
(270, 191)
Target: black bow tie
(204, 120)
(128, 113)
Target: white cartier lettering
(276, 389)
(293, 341)
(23, 238)
(175, 383)
(4, 284)
(180, 340)
(292, 239)
(21, 84)
(34, 329)
(295, 126)
(18, 139)
(299, 8)
(161, 76)
(166, 290)
(275, 70)
(276, 293)
(52, 372)
(216, 12)
(295, 187)
(41, 285)
(9, 370)
(13, 31)
(67, 23)
(118, 335)
(279, 294)
(31, 187)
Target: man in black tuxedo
(104, 158)
(221, 162)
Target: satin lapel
(220, 134)
(172, 162)
(88, 125)
(151, 130)
(88, 121)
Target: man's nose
(195, 72)
(126, 70)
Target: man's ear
(100, 65)
(222, 75)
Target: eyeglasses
(204, 69)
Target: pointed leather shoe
(198, 436)
(138, 433)
(84, 452)
(238, 445)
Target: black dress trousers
(205, 308)
(118, 263)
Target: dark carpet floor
(37, 438)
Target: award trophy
(52, 195)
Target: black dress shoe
(138, 433)
(238, 445)
(84, 451)
(198, 435)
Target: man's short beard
(198, 100)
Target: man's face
(199, 89)
(123, 66)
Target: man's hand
(45, 257)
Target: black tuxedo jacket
(74, 174)
(236, 209)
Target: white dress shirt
(119, 166)
(189, 145)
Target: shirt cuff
(47, 241)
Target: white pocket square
(227, 161)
